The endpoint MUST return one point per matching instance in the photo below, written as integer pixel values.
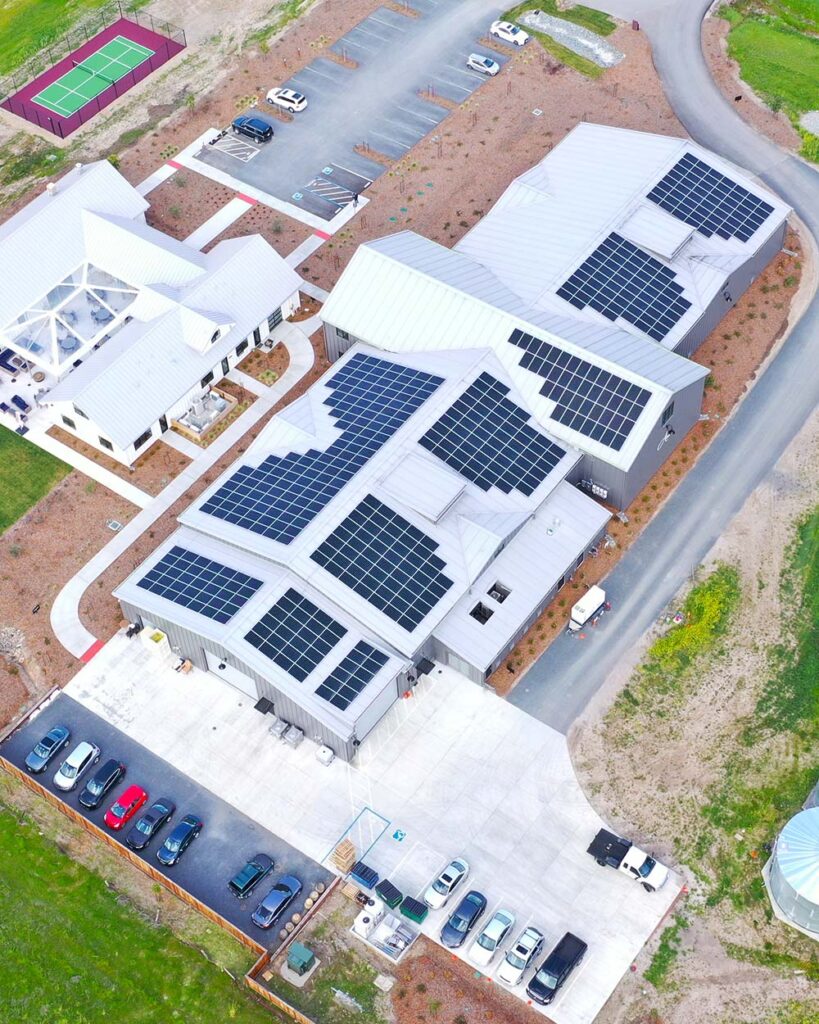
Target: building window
(580, 559)
(274, 319)
(240, 348)
(342, 334)
(79, 412)
(561, 582)
(163, 423)
(206, 379)
(498, 592)
(257, 337)
(482, 613)
(106, 444)
(668, 414)
(140, 441)
(216, 335)
(69, 422)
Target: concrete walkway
(219, 222)
(167, 170)
(307, 248)
(182, 444)
(65, 612)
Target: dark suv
(556, 968)
(245, 881)
(255, 128)
(101, 782)
(463, 919)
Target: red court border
(22, 102)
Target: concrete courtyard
(451, 770)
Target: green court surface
(92, 76)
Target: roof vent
(78, 168)
(51, 188)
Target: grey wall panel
(336, 345)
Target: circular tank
(794, 875)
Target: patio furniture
(7, 408)
(6, 361)
(21, 403)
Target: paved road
(560, 684)
(228, 839)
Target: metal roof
(797, 855)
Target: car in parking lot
(509, 33)
(446, 883)
(483, 65)
(179, 840)
(484, 948)
(245, 881)
(463, 919)
(556, 968)
(125, 807)
(277, 900)
(46, 750)
(287, 99)
(101, 782)
(526, 949)
(255, 128)
(75, 765)
(149, 823)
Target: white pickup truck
(611, 851)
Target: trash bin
(300, 959)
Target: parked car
(179, 840)
(484, 948)
(146, 827)
(525, 951)
(101, 782)
(446, 883)
(76, 764)
(483, 65)
(245, 881)
(556, 968)
(125, 807)
(253, 128)
(463, 920)
(277, 900)
(509, 33)
(288, 99)
(46, 750)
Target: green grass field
(26, 474)
(72, 954)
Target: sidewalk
(219, 222)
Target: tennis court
(92, 76)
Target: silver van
(73, 767)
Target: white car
(483, 65)
(509, 33)
(484, 948)
(528, 946)
(81, 758)
(287, 99)
(446, 883)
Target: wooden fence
(123, 851)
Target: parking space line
(355, 174)
(361, 46)
(414, 113)
(389, 139)
(464, 71)
(451, 85)
(386, 24)
(320, 74)
(375, 35)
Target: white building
(122, 325)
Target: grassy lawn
(585, 16)
(73, 954)
(341, 971)
(776, 44)
(26, 474)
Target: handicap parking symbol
(399, 835)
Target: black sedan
(463, 919)
(179, 840)
(101, 782)
(277, 900)
(147, 826)
(48, 747)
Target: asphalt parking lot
(227, 841)
(311, 162)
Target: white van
(71, 770)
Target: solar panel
(192, 581)
(620, 280)
(596, 403)
(370, 399)
(387, 561)
(698, 195)
(351, 675)
(490, 440)
(295, 634)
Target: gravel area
(579, 40)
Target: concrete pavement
(561, 683)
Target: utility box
(300, 959)
(293, 736)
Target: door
(231, 675)
(225, 367)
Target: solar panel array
(371, 398)
(490, 440)
(596, 403)
(620, 280)
(698, 195)
(192, 581)
(387, 561)
(295, 634)
(351, 675)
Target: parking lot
(228, 839)
(453, 770)
(311, 163)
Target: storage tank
(794, 874)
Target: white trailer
(590, 605)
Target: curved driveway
(560, 684)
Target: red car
(125, 807)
